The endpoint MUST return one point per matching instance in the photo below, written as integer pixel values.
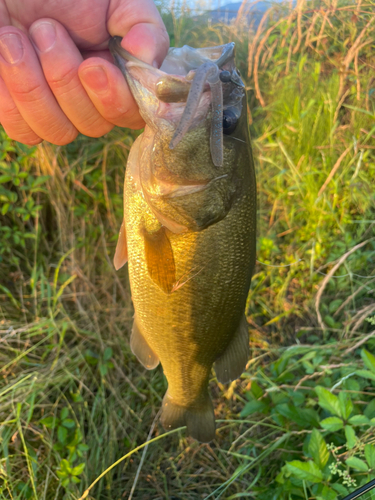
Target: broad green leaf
(5, 178)
(252, 407)
(328, 401)
(76, 471)
(65, 466)
(365, 374)
(62, 434)
(256, 390)
(357, 463)
(307, 471)
(332, 424)
(359, 420)
(368, 360)
(318, 449)
(370, 409)
(68, 423)
(5, 208)
(346, 405)
(370, 455)
(350, 436)
(48, 422)
(302, 417)
(108, 353)
(327, 494)
(64, 413)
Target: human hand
(56, 75)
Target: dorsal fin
(159, 258)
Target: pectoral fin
(141, 349)
(121, 254)
(232, 362)
(160, 260)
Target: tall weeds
(73, 399)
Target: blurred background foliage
(300, 421)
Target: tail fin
(199, 419)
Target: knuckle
(62, 78)
(24, 93)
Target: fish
(189, 227)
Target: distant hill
(228, 12)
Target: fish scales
(190, 255)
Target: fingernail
(96, 79)
(11, 48)
(43, 35)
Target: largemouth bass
(189, 225)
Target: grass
(299, 423)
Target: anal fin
(230, 365)
(121, 254)
(141, 349)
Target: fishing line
(156, 419)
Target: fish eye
(225, 76)
(230, 120)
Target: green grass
(74, 400)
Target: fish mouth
(185, 76)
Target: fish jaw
(162, 94)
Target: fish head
(194, 90)
(196, 136)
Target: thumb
(143, 31)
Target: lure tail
(199, 419)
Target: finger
(60, 60)
(140, 24)
(12, 121)
(23, 76)
(110, 93)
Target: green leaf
(368, 360)
(68, 423)
(64, 413)
(108, 353)
(76, 471)
(346, 405)
(5, 178)
(350, 437)
(365, 374)
(65, 466)
(302, 417)
(65, 482)
(370, 409)
(5, 208)
(370, 455)
(318, 449)
(103, 370)
(252, 407)
(83, 447)
(357, 463)
(49, 422)
(62, 434)
(328, 401)
(332, 424)
(327, 494)
(359, 420)
(75, 480)
(307, 471)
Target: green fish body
(189, 230)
